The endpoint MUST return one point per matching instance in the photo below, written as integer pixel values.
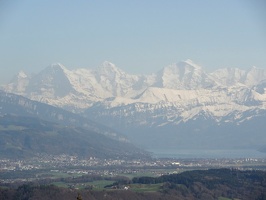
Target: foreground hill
(215, 184)
(29, 128)
(23, 137)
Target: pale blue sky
(139, 36)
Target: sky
(140, 36)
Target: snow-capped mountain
(238, 77)
(81, 88)
(18, 84)
(179, 100)
(184, 75)
(78, 89)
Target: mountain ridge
(81, 88)
(29, 128)
(181, 93)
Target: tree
(79, 197)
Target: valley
(133, 100)
(165, 178)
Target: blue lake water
(182, 154)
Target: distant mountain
(28, 127)
(237, 77)
(183, 76)
(24, 137)
(78, 89)
(18, 105)
(180, 103)
(163, 126)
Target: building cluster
(73, 164)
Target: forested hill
(211, 184)
(214, 184)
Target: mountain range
(180, 106)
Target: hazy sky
(139, 36)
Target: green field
(60, 184)
(145, 187)
(99, 185)
(95, 185)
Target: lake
(182, 153)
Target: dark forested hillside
(214, 184)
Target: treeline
(210, 184)
(230, 177)
(68, 180)
(213, 183)
(49, 192)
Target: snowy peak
(229, 76)
(54, 72)
(56, 68)
(108, 66)
(184, 75)
(189, 62)
(181, 82)
(18, 84)
(254, 76)
(22, 75)
(52, 82)
(118, 83)
(237, 77)
(109, 70)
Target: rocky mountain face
(181, 103)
